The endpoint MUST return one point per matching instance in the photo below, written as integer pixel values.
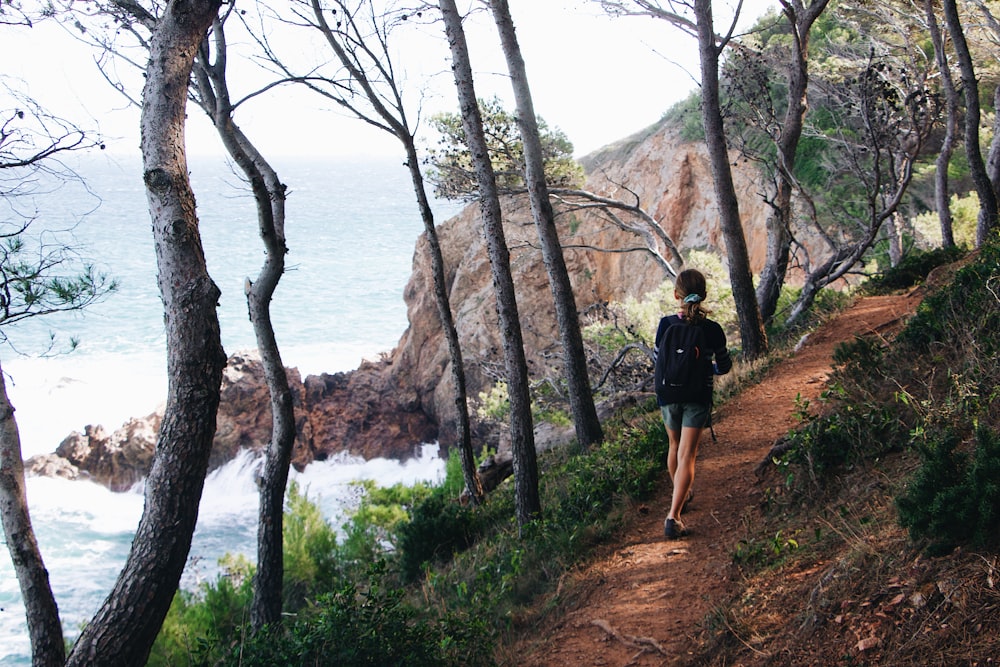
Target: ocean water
(351, 229)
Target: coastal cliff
(387, 407)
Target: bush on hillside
(913, 269)
(954, 498)
(370, 626)
(438, 526)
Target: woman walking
(690, 349)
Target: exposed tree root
(644, 643)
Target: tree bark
(779, 237)
(970, 87)
(395, 121)
(754, 340)
(942, 198)
(993, 157)
(586, 422)
(125, 627)
(269, 195)
(41, 611)
(527, 503)
(473, 482)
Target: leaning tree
(123, 630)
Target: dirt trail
(641, 602)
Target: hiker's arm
(723, 362)
(659, 335)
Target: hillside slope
(644, 600)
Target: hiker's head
(690, 290)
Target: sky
(595, 78)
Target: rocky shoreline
(353, 412)
(388, 407)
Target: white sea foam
(351, 233)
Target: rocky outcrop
(670, 178)
(387, 407)
(356, 412)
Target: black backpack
(681, 363)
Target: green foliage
(451, 169)
(756, 553)
(624, 467)
(438, 526)
(827, 302)
(494, 405)
(454, 476)
(967, 306)
(583, 496)
(964, 217)
(373, 625)
(31, 279)
(200, 625)
(312, 562)
(843, 437)
(933, 389)
(686, 116)
(953, 498)
(547, 404)
(913, 268)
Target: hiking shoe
(673, 529)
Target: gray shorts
(691, 415)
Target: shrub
(199, 624)
(438, 527)
(311, 560)
(371, 626)
(843, 437)
(954, 499)
(911, 270)
(965, 215)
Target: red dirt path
(642, 600)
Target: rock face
(671, 179)
(344, 411)
(386, 408)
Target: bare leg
(673, 437)
(683, 472)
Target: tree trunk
(895, 233)
(124, 628)
(970, 87)
(993, 157)
(942, 198)
(473, 483)
(396, 123)
(269, 193)
(588, 426)
(526, 499)
(41, 611)
(269, 196)
(754, 340)
(779, 237)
